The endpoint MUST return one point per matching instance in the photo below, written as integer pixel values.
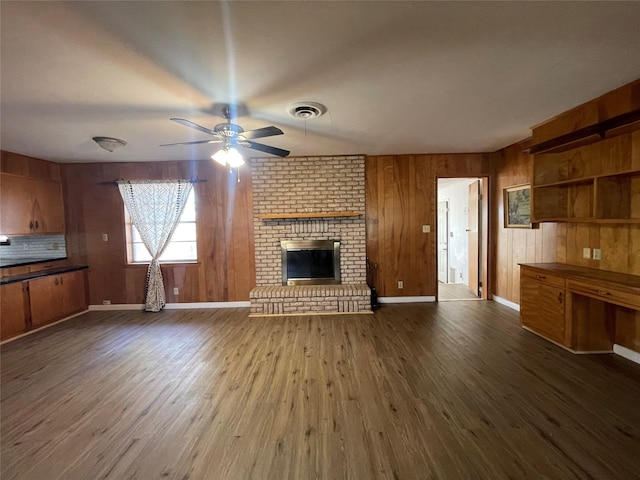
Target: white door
(443, 241)
(473, 237)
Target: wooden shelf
(590, 134)
(284, 216)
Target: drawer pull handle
(541, 277)
(57, 281)
(602, 292)
(560, 297)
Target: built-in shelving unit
(596, 183)
(293, 215)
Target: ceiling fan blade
(190, 143)
(189, 123)
(267, 149)
(262, 132)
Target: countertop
(16, 262)
(593, 274)
(42, 273)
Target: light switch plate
(597, 254)
(105, 237)
(426, 228)
(586, 253)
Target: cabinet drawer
(609, 295)
(543, 277)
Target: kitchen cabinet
(30, 206)
(14, 315)
(56, 296)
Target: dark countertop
(42, 273)
(16, 262)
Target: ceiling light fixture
(109, 144)
(228, 156)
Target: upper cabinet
(30, 197)
(586, 165)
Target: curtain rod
(115, 182)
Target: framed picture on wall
(517, 206)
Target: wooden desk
(581, 309)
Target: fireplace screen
(310, 262)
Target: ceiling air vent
(306, 110)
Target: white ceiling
(396, 77)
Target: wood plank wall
(225, 270)
(400, 198)
(510, 246)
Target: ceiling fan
(230, 136)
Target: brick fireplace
(309, 198)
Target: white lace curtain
(155, 207)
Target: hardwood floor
(455, 291)
(451, 390)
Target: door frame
(485, 237)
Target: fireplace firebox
(310, 262)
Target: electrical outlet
(586, 253)
(105, 237)
(176, 291)
(106, 302)
(426, 228)
(597, 254)
(400, 284)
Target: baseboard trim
(506, 303)
(172, 306)
(627, 353)
(406, 299)
(43, 327)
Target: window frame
(128, 227)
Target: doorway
(462, 238)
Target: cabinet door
(45, 296)
(542, 309)
(74, 293)
(48, 211)
(12, 312)
(16, 205)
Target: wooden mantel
(281, 216)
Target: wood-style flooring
(453, 390)
(455, 291)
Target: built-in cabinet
(542, 304)
(35, 302)
(30, 206)
(583, 309)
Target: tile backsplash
(45, 247)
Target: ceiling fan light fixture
(234, 159)
(221, 157)
(228, 157)
(109, 144)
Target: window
(182, 245)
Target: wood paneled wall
(225, 268)
(511, 246)
(400, 199)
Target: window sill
(163, 264)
